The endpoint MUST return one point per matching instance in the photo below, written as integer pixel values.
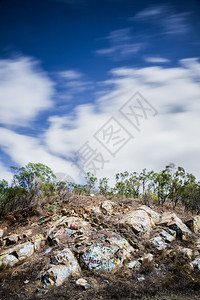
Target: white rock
(140, 279)
(57, 274)
(148, 257)
(108, 253)
(158, 242)
(170, 219)
(8, 260)
(153, 214)
(11, 239)
(25, 251)
(139, 220)
(1, 233)
(135, 264)
(82, 283)
(166, 236)
(107, 207)
(195, 263)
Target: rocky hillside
(82, 247)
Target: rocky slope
(98, 248)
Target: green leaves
(35, 182)
(30, 185)
(29, 176)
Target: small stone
(148, 257)
(82, 283)
(196, 263)
(107, 207)
(134, 265)
(26, 281)
(140, 279)
(1, 233)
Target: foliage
(103, 186)
(34, 182)
(29, 186)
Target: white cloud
(171, 136)
(168, 137)
(121, 45)
(70, 74)
(121, 51)
(24, 149)
(25, 91)
(119, 36)
(150, 12)
(156, 60)
(172, 23)
(176, 24)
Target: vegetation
(34, 183)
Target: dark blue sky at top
(66, 36)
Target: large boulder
(172, 221)
(64, 264)
(139, 220)
(153, 214)
(73, 223)
(8, 260)
(67, 229)
(107, 253)
(12, 256)
(24, 251)
(161, 240)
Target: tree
(103, 186)
(91, 181)
(121, 180)
(31, 175)
(162, 182)
(177, 178)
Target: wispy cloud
(119, 36)
(120, 52)
(151, 12)
(156, 60)
(171, 22)
(121, 45)
(70, 74)
(176, 24)
(73, 82)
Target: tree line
(36, 181)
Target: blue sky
(100, 86)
